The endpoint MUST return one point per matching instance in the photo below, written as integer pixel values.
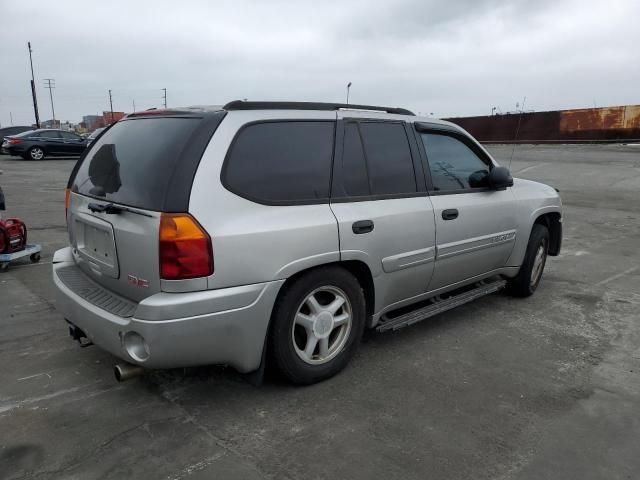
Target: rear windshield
(25, 134)
(132, 163)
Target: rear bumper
(14, 150)
(176, 331)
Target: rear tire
(530, 274)
(35, 153)
(317, 325)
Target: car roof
(355, 110)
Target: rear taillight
(185, 248)
(14, 141)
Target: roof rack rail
(243, 105)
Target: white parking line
(526, 169)
(34, 376)
(615, 277)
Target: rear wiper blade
(111, 209)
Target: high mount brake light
(185, 248)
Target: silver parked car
(279, 231)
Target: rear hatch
(141, 166)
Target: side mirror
(500, 178)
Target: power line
(50, 83)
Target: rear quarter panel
(255, 243)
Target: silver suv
(278, 231)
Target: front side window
(453, 165)
(69, 136)
(281, 162)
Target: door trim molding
(448, 250)
(413, 258)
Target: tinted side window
(453, 165)
(50, 134)
(69, 136)
(288, 161)
(354, 169)
(388, 158)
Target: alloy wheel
(322, 325)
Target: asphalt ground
(502, 388)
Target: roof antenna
(517, 130)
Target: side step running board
(439, 306)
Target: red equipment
(13, 235)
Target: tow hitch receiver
(77, 334)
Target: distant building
(107, 118)
(90, 121)
(50, 124)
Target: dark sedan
(37, 144)
(13, 130)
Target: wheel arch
(359, 269)
(553, 222)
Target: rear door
(384, 215)
(475, 225)
(142, 166)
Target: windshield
(95, 133)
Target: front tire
(530, 274)
(36, 153)
(317, 325)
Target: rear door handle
(450, 214)
(362, 226)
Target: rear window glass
(281, 162)
(132, 163)
(28, 133)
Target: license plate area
(95, 243)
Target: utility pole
(50, 83)
(348, 88)
(111, 105)
(165, 97)
(11, 117)
(33, 89)
(134, 106)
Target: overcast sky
(452, 58)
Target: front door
(72, 144)
(379, 198)
(475, 225)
